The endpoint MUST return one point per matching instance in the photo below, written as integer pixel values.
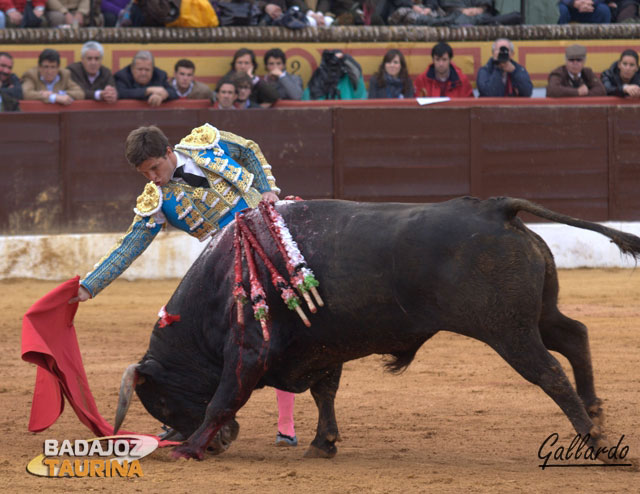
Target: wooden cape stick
(280, 284)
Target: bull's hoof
(329, 451)
(224, 437)
(216, 446)
(230, 431)
(187, 452)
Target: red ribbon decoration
(167, 319)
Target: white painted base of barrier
(58, 257)
(576, 248)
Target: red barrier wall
(65, 171)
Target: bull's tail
(626, 242)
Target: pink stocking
(286, 401)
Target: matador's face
(159, 170)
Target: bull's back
(414, 268)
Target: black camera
(503, 54)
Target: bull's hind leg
(324, 393)
(570, 338)
(566, 336)
(524, 351)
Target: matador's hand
(270, 196)
(83, 294)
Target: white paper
(430, 101)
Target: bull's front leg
(324, 394)
(239, 377)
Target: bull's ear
(130, 379)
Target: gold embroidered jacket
(238, 174)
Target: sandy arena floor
(459, 420)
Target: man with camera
(503, 76)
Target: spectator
(184, 83)
(536, 12)
(573, 78)
(111, 10)
(622, 78)
(18, 14)
(345, 12)
(339, 76)
(10, 87)
(142, 80)
(443, 77)
(95, 79)
(226, 95)
(239, 12)
(244, 61)
(9, 83)
(625, 11)
(470, 9)
(289, 86)
(319, 19)
(274, 10)
(242, 82)
(457, 13)
(392, 78)
(397, 12)
(584, 11)
(503, 76)
(8, 103)
(48, 83)
(70, 12)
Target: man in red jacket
(14, 12)
(443, 78)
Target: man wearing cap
(573, 78)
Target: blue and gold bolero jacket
(238, 174)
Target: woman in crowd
(623, 78)
(392, 78)
(262, 93)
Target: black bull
(392, 276)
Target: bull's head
(176, 396)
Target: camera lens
(503, 54)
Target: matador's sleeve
(248, 153)
(146, 225)
(122, 254)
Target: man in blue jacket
(503, 76)
(584, 11)
(143, 80)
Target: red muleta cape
(49, 341)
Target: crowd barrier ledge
(86, 105)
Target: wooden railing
(64, 171)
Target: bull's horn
(128, 383)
